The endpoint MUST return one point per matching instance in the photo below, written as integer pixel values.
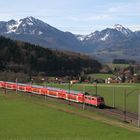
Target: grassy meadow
(31, 118)
(100, 76)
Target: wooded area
(21, 57)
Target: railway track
(108, 111)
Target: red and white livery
(70, 95)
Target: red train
(75, 96)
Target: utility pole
(95, 84)
(125, 96)
(114, 96)
(69, 91)
(96, 88)
(16, 86)
(45, 92)
(139, 111)
(84, 90)
(45, 87)
(43, 81)
(124, 110)
(5, 88)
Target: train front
(100, 102)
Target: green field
(100, 76)
(117, 90)
(31, 118)
(113, 93)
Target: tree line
(21, 57)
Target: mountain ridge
(37, 32)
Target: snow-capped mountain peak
(117, 32)
(28, 25)
(123, 30)
(12, 26)
(30, 20)
(104, 38)
(81, 37)
(118, 27)
(105, 43)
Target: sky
(76, 16)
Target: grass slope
(100, 76)
(26, 117)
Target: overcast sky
(76, 16)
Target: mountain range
(105, 45)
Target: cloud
(88, 18)
(125, 9)
(134, 27)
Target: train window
(89, 98)
(92, 98)
(100, 99)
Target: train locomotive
(70, 95)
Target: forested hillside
(29, 59)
